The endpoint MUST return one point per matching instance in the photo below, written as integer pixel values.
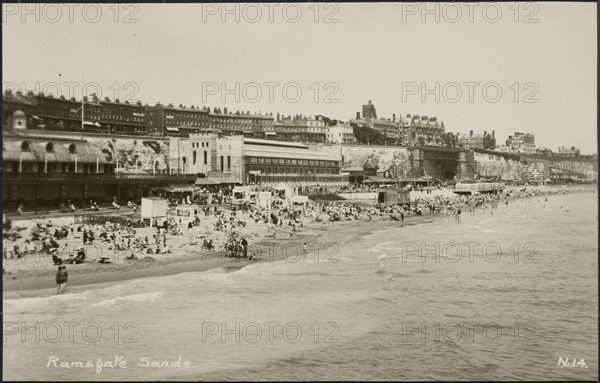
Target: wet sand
(28, 278)
(25, 281)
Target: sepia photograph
(303, 191)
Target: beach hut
(153, 209)
(264, 200)
(243, 194)
(185, 214)
(393, 196)
(299, 200)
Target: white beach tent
(264, 200)
(299, 200)
(153, 208)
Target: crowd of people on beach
(220, 226)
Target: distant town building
(298, 129)
(544, 151)
(122, 118)
(568, 152)
(24, 104)
(241, 123)
(482, 141)
(341, 134)
(52, 113)
(421, 130)
(368, 111)
(386, 127)
(521, 143)
(170, 120)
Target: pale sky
(376, 51)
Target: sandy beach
(33, 275)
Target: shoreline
(39, 282)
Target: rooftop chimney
(471, 134)
(358, 115)
(493, 134)
(394, 117)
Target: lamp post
(82, 107)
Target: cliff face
(573, 164)
(490, 165)
(525, 168)
(471, 164)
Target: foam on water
(368, 303)
(27, 304)
(128, 299)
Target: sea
(504, 294)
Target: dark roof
(37, 151)
(378, 180)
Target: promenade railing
(80, 178)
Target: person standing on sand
(61, 279)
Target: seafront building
(170, 120)
(57, 149)
(386, 127)
(308, 130)
(341, 134)
(43, 171)
(482, 141)
(521, 143)
(421, 130)
(218, 159)
(92, 116)
(46, 112)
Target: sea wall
(514, 166)
(393, 158)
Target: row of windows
(261, 160)
(188, 115)
(122, 118)
(120, 111)
(90, 114)
(306, 171)
(66, 112)
(194, 159)
(41, 167)
(236, 120)
(195, 144)
(236, 127)
(190, 123)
